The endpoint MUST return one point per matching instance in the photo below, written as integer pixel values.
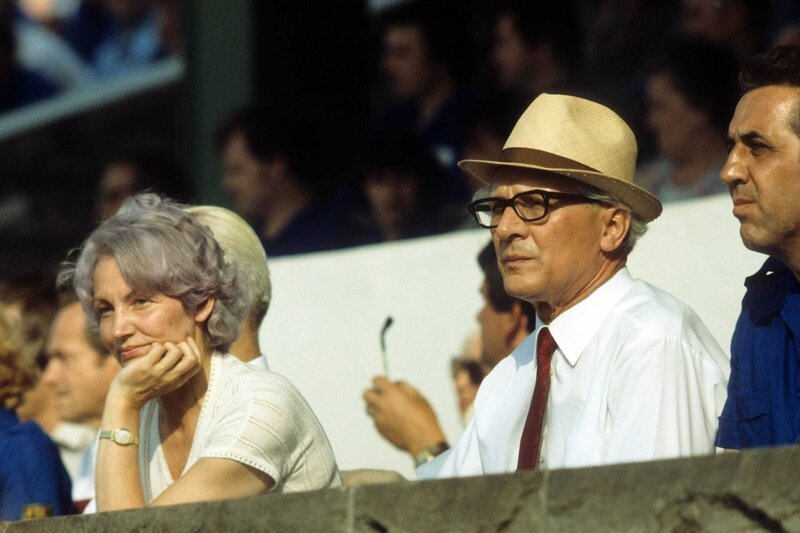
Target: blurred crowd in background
(447, 80)
(47, 47)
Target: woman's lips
(128, 353)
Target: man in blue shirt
(763, 176)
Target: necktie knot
(546, 345)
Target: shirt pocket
(752, 411)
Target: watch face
(122, 436)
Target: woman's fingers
(179, 363)
(163, 369)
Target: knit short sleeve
(261, 420)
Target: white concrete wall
(322, 330)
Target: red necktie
(532, 432)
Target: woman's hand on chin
(164, 368)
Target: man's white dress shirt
(636, 377)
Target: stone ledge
(755, 490)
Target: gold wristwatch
(121, 436)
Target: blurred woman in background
(33, 480)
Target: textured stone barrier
(751, 491)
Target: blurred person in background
(691, 94)
(486, 130)
(426, 61)
(48, 13)
(19, 86)
(467, 373)
(33, 480)
(403, 187)
(29, 303)
(86, 26)
(141, 171)
(241, 245)
(405, 418)
(41, 49)
(136, 39)
(788, 35)
(736, 25)
(79, 371)
(272, 174)
(536, 48)
(619, 37)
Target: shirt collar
(769, 288)
(575, 327)
(73, 436)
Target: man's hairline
(795, 115)
(86, 333)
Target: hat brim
(643, 204)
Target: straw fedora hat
(576, 138)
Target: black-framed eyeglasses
(530, 206)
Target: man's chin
(521, 291)
(752, 243)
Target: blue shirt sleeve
(31, 472)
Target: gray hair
(637, 228)
(241, 245)
(161, 248)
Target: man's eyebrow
(750, 137)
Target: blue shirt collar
(769, 289)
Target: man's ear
(204, 310)
(616, 224)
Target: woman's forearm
(118, 485)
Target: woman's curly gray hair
(161, 248)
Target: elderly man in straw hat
(616, 370)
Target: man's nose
(509, 224)
(50, 372)
(734, 169)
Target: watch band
(121, 436)
(430, 452)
